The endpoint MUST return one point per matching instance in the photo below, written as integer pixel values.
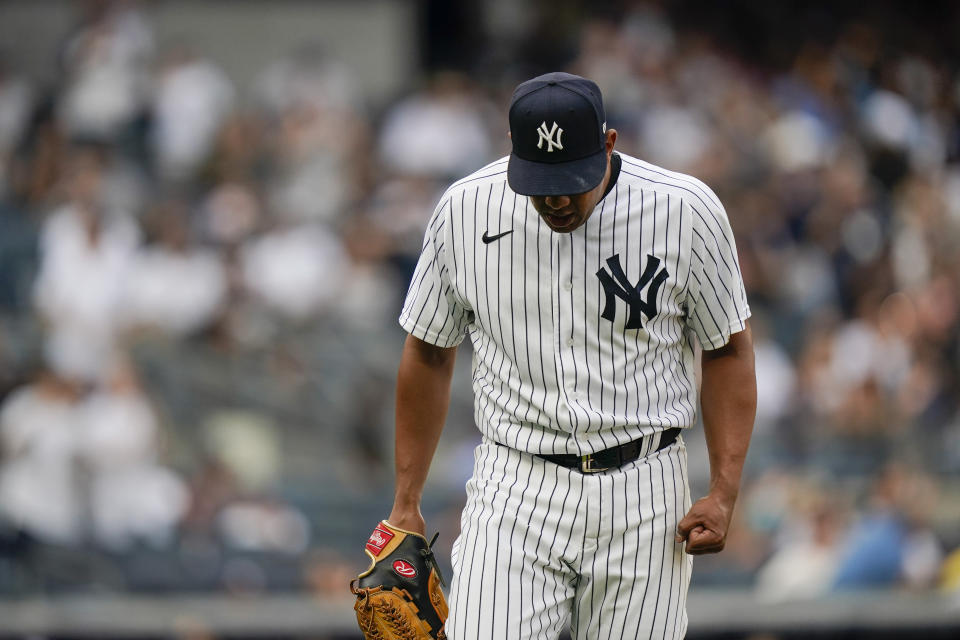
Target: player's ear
(611, 140)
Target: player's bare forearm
(728, 399)
(729, 402)
(423, 396)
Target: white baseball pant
(542, 546)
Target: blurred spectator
(891, 544)
(804, 565)
(173, 285)
(85, 256)
(105, 64)
(296, 271)
(39, 490)
(131, 498)
(438, 132)
(191, 101)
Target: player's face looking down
(563, 214)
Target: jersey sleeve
(432, 311)
(717, 298)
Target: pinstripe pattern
(551, 375)
(557, 370)
(594, 552)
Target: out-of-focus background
(209, 213)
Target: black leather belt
(612, 457)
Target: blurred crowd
(199, 285)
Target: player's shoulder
(692, 190)
(495, 172)
(452, 199)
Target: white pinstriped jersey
(582, 340)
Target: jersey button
(568, 285)
(569, 342)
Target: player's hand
(705, 526)
(408, 519)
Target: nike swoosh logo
(488, 239)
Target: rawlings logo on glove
(380, 537)
(399, 596)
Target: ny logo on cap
(547, 136)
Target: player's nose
(557, 202)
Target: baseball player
(585, 278)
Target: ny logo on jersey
(546, 135)
(619, 285)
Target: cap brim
(561, 179)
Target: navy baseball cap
(558, 131)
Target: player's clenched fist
(705, 526)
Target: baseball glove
(399, 596)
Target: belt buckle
(587, 462)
